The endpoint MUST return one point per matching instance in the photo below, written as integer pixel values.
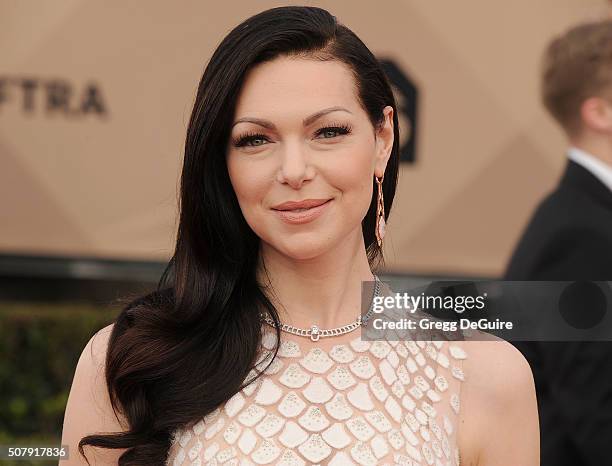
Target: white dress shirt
(600, 169)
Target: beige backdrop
(106, 185)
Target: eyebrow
(307, 121)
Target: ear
(384, 142)
(596, 114)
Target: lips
(298, 206)
(301, 212)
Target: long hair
(178, 353)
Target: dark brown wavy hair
(176, 354)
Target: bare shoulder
(89, 409)
(499, 408)
(95, 350)
(497, 370)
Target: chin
(304, 252)
(301, 249)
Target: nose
(295, 168)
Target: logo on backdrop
(46, 97)
(406, 99)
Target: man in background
(569, 237)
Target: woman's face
(299, 134)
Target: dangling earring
(380, 212)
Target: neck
(600, 148)
(324, 290)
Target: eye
(339, 129)
(248, 138)
(253, 139)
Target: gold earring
(380, 212)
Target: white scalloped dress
(339, 401)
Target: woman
(290, 168)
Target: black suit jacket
(570, 238)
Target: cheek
(250, 186)
(355, 179)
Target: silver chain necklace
(314, 332)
